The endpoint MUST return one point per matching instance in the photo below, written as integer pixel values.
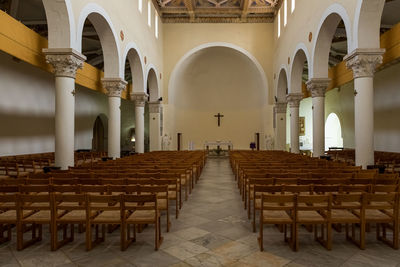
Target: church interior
(199, 133)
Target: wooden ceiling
(217, 11)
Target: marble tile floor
(212, 230)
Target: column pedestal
(294, 104)
(155, 135)
(114, 87)
(363, 63)
(65, 63)
(140, 99)
(280, 130)
(317, 87)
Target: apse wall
(217, 80)
(27, 110)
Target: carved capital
(114, 86)
(317, 86)
(139, 98)
(294, 99)
(280, 107)
(65, 61)
(363, 62)
(155, 107)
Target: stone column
(140, 99)
(65, 62)
(317, 87)
(114, 87)
(155, 137)
(363, 63)
(280, 130)
(294, 103)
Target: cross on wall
(219, 116)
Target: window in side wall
(285, 13)
(279, 23)
(140, 5)
(293, 5)
(149, 13)
(156, 24)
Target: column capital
(114, 86)
(294, 99)
(317, 86)
(139, 98)
(280, 107)
(65, 61)
(363, 61)
(155, 107)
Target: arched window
(333, 132)
(140, 5)
(279, 23)
(149, 13)
(285, 13)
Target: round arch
(367, 23)
(299, 57)
(60, 23)
(282, 85)
(322, 44)
(132, 53)
(172, 80)
(152, 82)
(100, 132)
(333, 131)
(108, 38)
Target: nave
(212, 230)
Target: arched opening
(333, 132)
(133, 74)
(211, 80)
(280, 111)
(299, 76)
(98, 41)
(333, 41)
(98, 136)
(152, 113)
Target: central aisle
(213, 228)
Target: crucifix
(219, 116)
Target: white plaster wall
(387, 109)
(125, 16)
(305, 19)
(27, 110)
(305, 110)
(341, 102)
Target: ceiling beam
(245, 9)
(190, 7)
(221, 10)
(157, 7)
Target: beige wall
(217, 80)
(254, 39)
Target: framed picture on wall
(302, 126)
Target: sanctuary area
(199, 132)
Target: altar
(219, 148)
